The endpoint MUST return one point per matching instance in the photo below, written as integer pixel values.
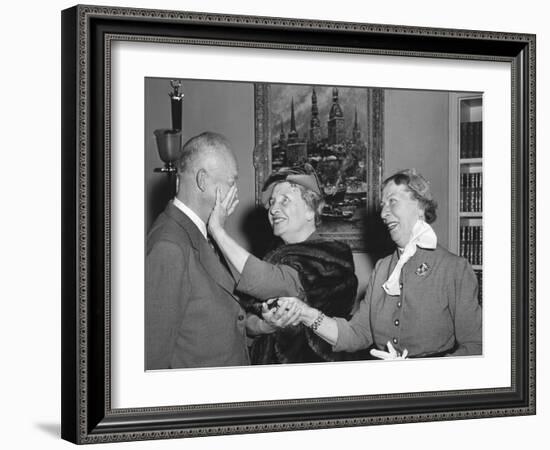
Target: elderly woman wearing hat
(421, 301)
(319, 272)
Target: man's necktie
(214, 246)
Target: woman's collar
(423, 236)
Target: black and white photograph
(316, 224)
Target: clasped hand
(282, 312)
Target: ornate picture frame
(88, 33)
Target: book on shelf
(479, 275)
(471, 248)
(464, 190)
(471, 244)
(477, 137)
(471, 139)
(463, 140)
(471, 192)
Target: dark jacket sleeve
(165, 273)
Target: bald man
(192, 316)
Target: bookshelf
(466, 179)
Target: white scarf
(422, 236)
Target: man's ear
(200, 178)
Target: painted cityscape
(338, 131)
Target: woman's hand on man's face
(223, 208)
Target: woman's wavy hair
(419, 188)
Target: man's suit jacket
(192, 317)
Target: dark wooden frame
(87, 33)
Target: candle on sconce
(176, 100)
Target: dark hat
(303, 175)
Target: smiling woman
(421, 301)
(292, 220)
(318, 271)
(400, 212)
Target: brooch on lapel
(422, 269)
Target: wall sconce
(169, 148)
(169, 140)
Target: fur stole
(327, 275)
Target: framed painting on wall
(306, 124)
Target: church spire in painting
(293, 134)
